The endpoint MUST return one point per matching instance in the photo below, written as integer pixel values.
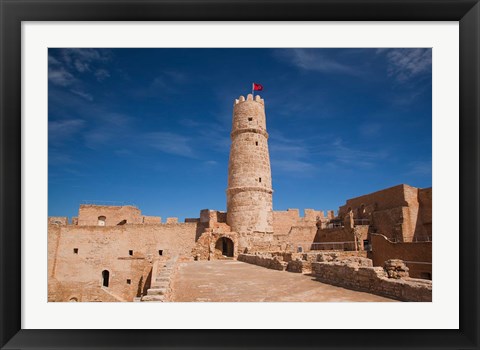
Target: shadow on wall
(146, 286)
(417, 255)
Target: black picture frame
(13, 12)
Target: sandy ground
(230, 280)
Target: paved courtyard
(230, 280)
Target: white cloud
(289, 155)
(293, 166)
(60, 76)
(314, 60)
(339, 155)
(60, 130)
(171, 143)
(83, 59)
(82, 94)
(102, 74)
(63, 66)
(420, 168)
(53, 61)
(370, 129)
(404, 64)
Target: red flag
(257, 87)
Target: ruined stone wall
(417, 255)
(88, 215)
(372, 280)
(299, 262)
(249, 192)
(79, 254)
(264, 260)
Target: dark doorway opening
(106, 276)
(225, 246)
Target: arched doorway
(224, 246)
(106, 277)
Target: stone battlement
(249, 98)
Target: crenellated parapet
(249, 98)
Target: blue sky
(151, 127)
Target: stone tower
(249, 192)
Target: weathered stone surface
(396, 268)
(375, 280)
(265, 260)
(299, 266)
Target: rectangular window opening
(256, 143)
(130, 252)
(160, 252)
(250, 119)
(259, 179)
(129, 281)
(75, 250)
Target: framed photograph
(101, 96)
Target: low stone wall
(299, 266)
(264, 260)
(299, 262)
(352, 275)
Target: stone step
(153, 298)
(162, 279)
(157, 291)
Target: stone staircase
(161, 278)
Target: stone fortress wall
(406, 209)
(78, 255)
(108, 253)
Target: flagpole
(252, 89)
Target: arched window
(106, 277)
(101, 220)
